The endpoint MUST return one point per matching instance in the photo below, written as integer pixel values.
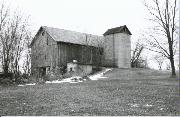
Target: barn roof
(61, 35)
(120, 29)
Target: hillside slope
(124, 92)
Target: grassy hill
(124, 92)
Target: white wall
(122, 48)
(121, 52)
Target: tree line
(15, 36)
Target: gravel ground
(124, 92)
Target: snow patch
(31, 84)
(27, 84)
(77, 79)
(99, 75)
(134, 105)
(21, 85)
(74, 79)
(148, 105)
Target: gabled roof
(121, 29)
(61, 35)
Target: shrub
(10, 78)
(6, 81)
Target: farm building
(54, 48)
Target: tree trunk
(5, 65)
(172, 66)
(160, 67)
(5, 68)
(171, 57)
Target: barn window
(42, 33)
(48, 68)
(101, 51)
(45, 57)
(47, 41)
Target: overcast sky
(86, 16)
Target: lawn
(124, 92)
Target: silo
(117, 47)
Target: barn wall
(108, 50)
(44, 51)
(68, 52)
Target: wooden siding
(68, 52)
(43, 52)
(48, 53)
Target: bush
(10, 78)
(96, 69)
(6, 81)
(8, 75)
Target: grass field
(124, 92)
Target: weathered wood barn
(53, 48)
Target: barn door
(42, 71)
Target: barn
(54, 48)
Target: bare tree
(99, 51)
(164, 37)
(96, 55)
(13, 33)
(5, 53)
(18, 33)
(159, 60)
(168, 66)
(27, 58)
(136, 55)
